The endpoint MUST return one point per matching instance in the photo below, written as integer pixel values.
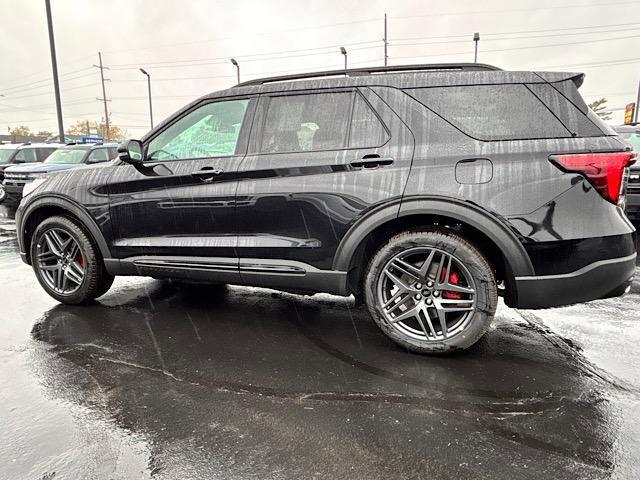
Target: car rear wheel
(431, 291)
(66, 262)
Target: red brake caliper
(81, 259)
(453, 279)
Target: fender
(466, 212)
(69, 205)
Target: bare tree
(599, 108)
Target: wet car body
(303, 221)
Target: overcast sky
(185, 46)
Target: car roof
(83, 146)
(39, 145)
(627, 128)
(104, 145)
(404, 79)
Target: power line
(466, 35)
(50, 92)
(225, 60)
(46, 80)
(618, 30)
(525, 48)
(485, 12)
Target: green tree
(599, 107)
(21, 131)
(44, 133)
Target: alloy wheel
(427, 294)
(60, 261)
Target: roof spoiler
(554, 77)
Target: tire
(3, 193)
(465, 294)
(94, 280)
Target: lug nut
(418, 286)
(429, 301)
(417, 296)
(429, 284)
(436, 294)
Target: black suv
(425, 191)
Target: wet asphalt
(166, 380)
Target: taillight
(605, 171)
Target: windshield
(66, 156)
(5, 154)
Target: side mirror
(130, 152)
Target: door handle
(372, 161)
(207, 173)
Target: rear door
(180, 203)
(317, 160)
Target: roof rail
(353, 72)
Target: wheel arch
(491, 235)
(44, 207)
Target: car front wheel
(431, 291)
(66, 262)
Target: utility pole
(54, 66)
(104, 95)
(476, 39)
(386, 41)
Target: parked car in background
(65, 158)
(631, 135)
(14, 153)
(425, 190)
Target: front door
(316, 162)
(179, 205)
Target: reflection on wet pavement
(188, 381)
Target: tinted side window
(98, 155)
(366, 128)
(43, 153)
(295, 123)
(492, 112)
(211, 130)
(569, 114)
(26, 155)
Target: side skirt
(255, 272)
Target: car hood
(41, 167)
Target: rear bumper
(602, 279)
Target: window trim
(409, 91)
(243, 135)
(261, 117)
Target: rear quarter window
(571, 110)
(492, 112)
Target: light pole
(343, 51)
(149, 88)
(476, 39)
(233, 60)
